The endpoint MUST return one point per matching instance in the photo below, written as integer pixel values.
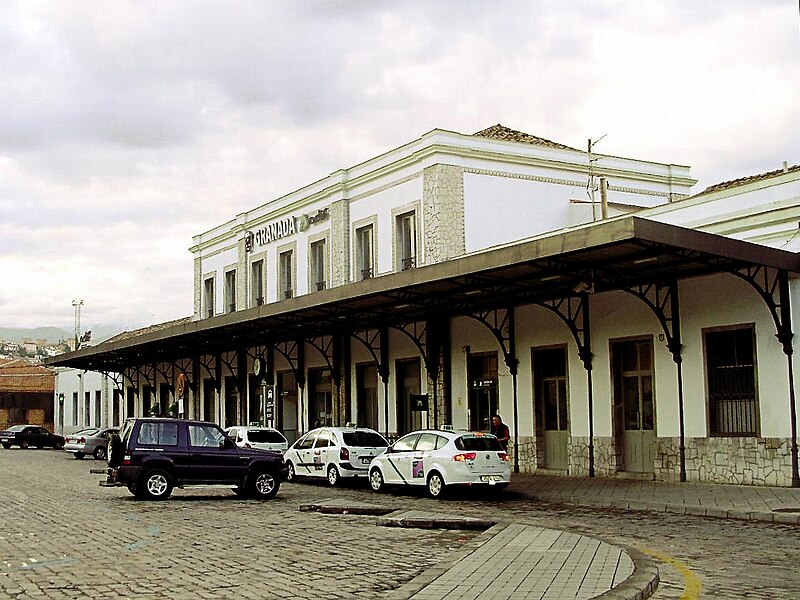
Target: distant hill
(55, 334)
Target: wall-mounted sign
(483, 383)
(282, 228)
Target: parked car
(334, 453)
(92, 441)
(30, 435)
(263, 438)
(153, 455)
(441, 459)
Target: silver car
(92, 440)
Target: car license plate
(491, 478)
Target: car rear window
(364, 439)
(90, 431)
(478, 442)
(265, 436)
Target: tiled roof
(743, 180)
(501, 132)
(149, 329)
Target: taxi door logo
(416, 469)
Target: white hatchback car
(439, 459)
(263, 438)
(334, 452)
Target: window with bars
(407, 241)
(230, 291)
(208, 297)
(731, 372)
(318, 263)
(257, 283)
(364, 252)
(286, 270)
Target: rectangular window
(318, 262)
(74, 408)
(98, 402)
(257, 279)
(286, 274)
(731, 371)
(87, 409)
(208, 297)
(364, 252)
(230, 291)
(406, 241)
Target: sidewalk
(749, 503)
(515, 561)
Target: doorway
(482, 377)
(321, 398)
(634, 415)
(232, 416)
(286, 409)
(551, 409)
(408, 387)
(367, 396)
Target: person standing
(500, 431)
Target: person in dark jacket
(500, 430)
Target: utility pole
(590, 183)
(77, 303)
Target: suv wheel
(333, 475)
(6, 446)
(155, 485)
(263, 485)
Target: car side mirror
(389, 450)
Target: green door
(634, 396)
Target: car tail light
(465, 456)
(82, 440)
(504, 456)
(126, 460)
(344, 454)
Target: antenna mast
(77, 303)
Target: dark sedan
(25, 436)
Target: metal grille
(732, 400)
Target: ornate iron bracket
(574, 311)
(663, 301)
(294, 353)
(773, 287)
(500, 322)
(329, 346)
(376, 342)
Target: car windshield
(478, 442)
(265, 436)
(364, 439)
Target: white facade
(85, 399)
(447, 195)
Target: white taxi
(334, 453)
(440, 459)
(263, 438)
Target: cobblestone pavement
(62, 536)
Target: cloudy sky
(128, 127)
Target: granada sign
(282, 228)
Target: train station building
(618, 323)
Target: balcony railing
(366, 273)
(408, 263)
(287, 293)
(320, 286)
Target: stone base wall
(737, 461)
(740, 461)
(605, 459)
